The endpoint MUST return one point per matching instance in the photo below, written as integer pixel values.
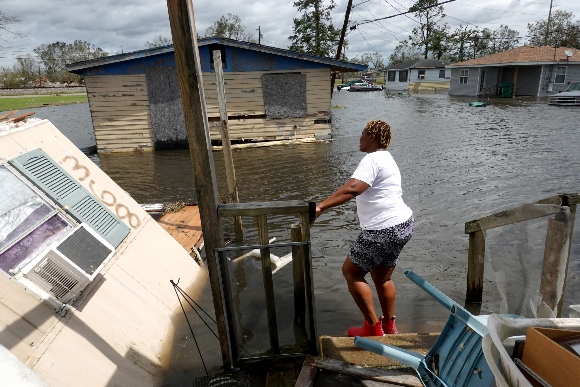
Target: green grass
(35, 101)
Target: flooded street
(458, 163)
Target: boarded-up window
(284, 95)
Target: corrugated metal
(41, 170)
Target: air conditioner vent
(66, 267)
(84, 250)
(56, 280)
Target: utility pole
(259, 36)
(340, 43)
(317, 25)
(548, 24)
(183, 31)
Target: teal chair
(456, 359)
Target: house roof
(403, 65)
(418, 64)
(429, 64)
(525, 55)
(336, 65)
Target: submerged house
(418, 75)
(536, 71)
(85, 293)
(271, 94)
(429, 74)
(397, 76)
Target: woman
(387, 225)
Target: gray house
(418, 76)
(397, 76)
(536, 71)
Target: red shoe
(366, 330)
(389, 327)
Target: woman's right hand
(318, 211)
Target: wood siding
(120, 111)
(244, 98)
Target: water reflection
(458, 163)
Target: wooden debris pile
(9, 117)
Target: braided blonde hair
(382, 130)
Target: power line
(402, 13)
(395, 8)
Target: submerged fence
(556, 250)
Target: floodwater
(458, 163)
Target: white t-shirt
(381, 205)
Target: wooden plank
(262, 208)
(268, 284)
(520, 214)
(393, 377)
(306, 218)
(573, 198)
(226, 144)
(554, 265)
(475, 266)
(20, 117)
(186, 55)
(8, 114)
(306, 376)
(298, 278)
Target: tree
(403, 52)
(230, 27)
(562, 31)
(372, 59)
(430, 34)
(504, 39)
(314, 32)
(55, 57)
(26, 67)
(158, 41)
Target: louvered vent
(62, 188)
(53, 178)
(84, 250)
(55, 280)
(65, 268)
(91, 213)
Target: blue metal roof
(336, 65)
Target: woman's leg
(386, 290)
(360, 290)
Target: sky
(123, 26)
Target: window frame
(56, 211)
(421, 74)
(442, 72)
(464, 76)
(405, 73)
(556, 75)
(394, 75)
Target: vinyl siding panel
(120, 111)
(468, 89)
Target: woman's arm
(349, 190)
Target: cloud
(117, 26)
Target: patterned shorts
(381, 247)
